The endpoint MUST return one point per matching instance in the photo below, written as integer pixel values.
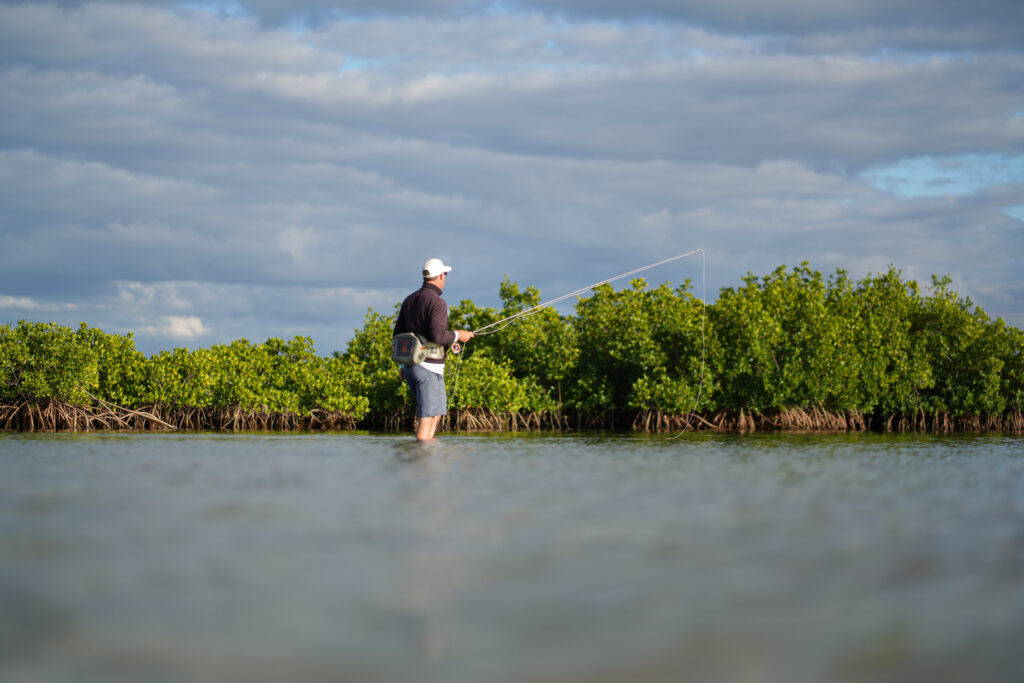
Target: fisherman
(425, 314)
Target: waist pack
(409, 348)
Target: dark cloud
(796, 17)
(979, 24)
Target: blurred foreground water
(361, 557)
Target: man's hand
(463, 335)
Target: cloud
(739, 15)
(1003, 17)
(270, 177)
(178, 328)
(28, 304)
(625, 98)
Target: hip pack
(409, 348)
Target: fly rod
(504, 322)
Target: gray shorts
(428, 388)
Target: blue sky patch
(233, 10)
(957, 175)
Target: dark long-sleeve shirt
(425, 313)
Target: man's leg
(426, 427)
(428, 388)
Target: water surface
(327, 557)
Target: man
(425, 313)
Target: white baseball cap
(434, 267)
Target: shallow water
(357, 557)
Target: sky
(199, 172)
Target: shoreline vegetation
(791, 350)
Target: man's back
(425, 313)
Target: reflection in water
(427, 585)
(511, 558)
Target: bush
(45, 361)
(789, 341)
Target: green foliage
(487, 384)
(1011, 350)
(43, 361)
(790, 339)
(468, 316)
(540, 347)
(793, 340)
(782, 347)
(886, 368)
(964, 349)
(8, 365)
(640, 348)
(368, 365)
(178, 379)
(121, 369)
(273, 377)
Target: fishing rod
(504, 322)
(499, 325)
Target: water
(360, 557)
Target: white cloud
(184, 327)
(179, 328)
(24, 303)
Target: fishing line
(530, 311)
(499, 325)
